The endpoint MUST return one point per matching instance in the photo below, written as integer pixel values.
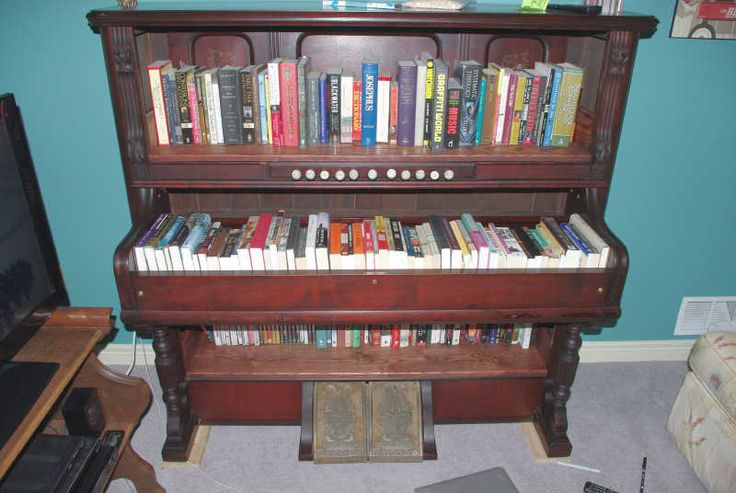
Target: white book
(419, 108)
(515, 256)
(368, 241)
(383, 104)
(431, 247)
(279, 260)
(243, 249)
(503, 89)
(525, 336)
(593, 238)
(321, 251)
(494, 253)
(346, 107)
(269, 252)
(309, 251)
(216, 105)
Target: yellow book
(521, 83)
(567, 104)
(268, 113)
(463, 246)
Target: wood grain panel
(486, 400)
(242, 402)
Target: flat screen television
(30, 278)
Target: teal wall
(671, 202)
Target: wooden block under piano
(395, 422)
(340, 422)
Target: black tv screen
(29, 270)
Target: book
(149, 250)
(515, 256)
(357, 116)
(530, 118)
(272, 239)
(518, 107)
(368, 107)
(138, 249)
(184, 109)
(591, 256)
(300, 255)
(216, 105)
(508, 120)
(292, 243)
(572, 257)
(243, 247)
(230, 105)
(452, 121)
(333, 105)
(172, 250)
(310, 244)
(407, 102)
(346, 107)
(263, 108)
(567, 104)
(258, 242)
(419, 110)
(257, 109)
(428, 99)
(592, 237)
(383, 107)
(335, 245)
(247, 107)
(481, 109)
(274, 102)
(172, 105)
(302, 69)
(321, 251)
(194, 104)
(216, 248)
(468, 73)
(313, 110)
(323, 109)
(289, 102)
(228, 257)
(501, 97)
(358, 246)
(551, 108)
(393, 111)
(443, 244)
(204, 247)
(160, 116)
(439, 105)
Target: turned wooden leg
(180, 420)
(551, 418)
(138, 471)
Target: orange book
(335, 246)
(357, 121)
(358, 249)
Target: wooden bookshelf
(268, 384)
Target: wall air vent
(703, 314)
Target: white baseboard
(590, 352)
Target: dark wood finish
(306, 437)
(429, 447)
(68, 338)
(266, 384)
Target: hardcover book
(567, 105)
(313, 111)
(439, 105)
(230, 105)
(302, 69)
(274, 101)
(333, 105)
(160, 114)
(247, 107)
(407, 103)
(346, 107)
(182, 96)
(468, 73)
(289, 94)
(383, 107)
(452, 124)
(369, 107)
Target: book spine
(160, 117)
(368, 106)
(274, 101)
(419, 103)
(313, 108)
(357, 120)
(501, 96)
(201, 106)
(452, 131)
(489, 112)
(469, 77)
(289, 93)
(567, 104)
(383, 107)
(393, 111)
(256, 104)
(333, 105)
(526, 101)
(439, 108)
(323, 116)
(346, 108)
(407, 103)
(556, 76)
(263, 106)
(481, 110)
(172, 107)
(194, 108)
(247, 107)
(182, 96)
(509, 111)
(230, 107)
(216, 104)
(302, 69)
(428, 103)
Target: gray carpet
(617, 415)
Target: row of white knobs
(391, 174)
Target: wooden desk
(68, 338)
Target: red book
(395, 336)
(533, 108)
(340, 336)
(393, 114)
(289, 103)
(357, 121)
(375, 335)
(194, 108)
(258, 242)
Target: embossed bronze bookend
(396, 422)
(339, 422)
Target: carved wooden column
(180, 420)
(551, 418)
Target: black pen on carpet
(643, 474)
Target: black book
(333, 105)
(230, 106)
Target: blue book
(323, 108)
(407, 240)
(368, 103)
(262, 104)
(579, 242)
(173, 230)
(481, 109)
(554, 94)
(321, 337)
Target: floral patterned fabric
(702, 419)
(713, 360)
